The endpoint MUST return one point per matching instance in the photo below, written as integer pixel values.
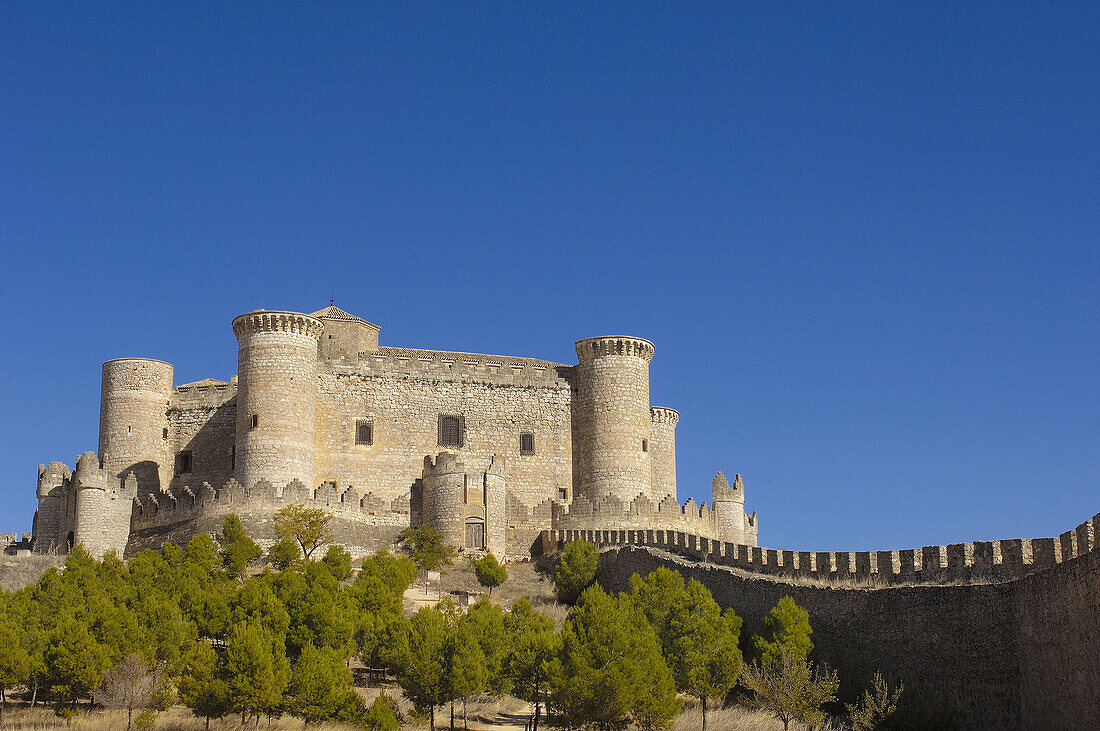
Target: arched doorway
(69, 542)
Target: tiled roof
(332, 312)
(203, 382)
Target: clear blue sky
(864, 238)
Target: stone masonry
(320, 413)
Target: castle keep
(489, 450)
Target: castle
(489, 450)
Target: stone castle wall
(403, 393)
(1000, 560)
(202, 420)
(1017, 652)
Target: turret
(662, 451)
(611, 418)
(444, 493)
(103, 510)
(53, 502)
(133, 421)
(276, 396)
(495, 502)
(467, 509)
(729, 508)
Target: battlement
(187, 503)
(721, 490)
(604, 345)
(978, 562)
(452, 366)
(277, 321)
(445, 463)
(609, 512)
(664, 415)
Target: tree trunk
(704, 713)
(129, 717)
(34, 691)
(536, 728)
(452, 716)
(464, 714)
(431, 719)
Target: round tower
(103, 511)
(49, 521)
(662, 451)
(276, 396)
(611, 419)
(444, 496)
(133, 421)
(496, 520)
(729, 509)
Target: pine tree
(534, 645)
(238, 550)
(256, 671)
(200, 684)
(418, 652)
(700, 645)
(283, 553)
(788, 632)
(15, 662)
(319, 684)
(464, 670)
(576, 571)
(490, 572)
(611, 671)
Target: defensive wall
(985, 635)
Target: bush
(381, 716)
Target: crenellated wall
(977, 562)
(1008, 645)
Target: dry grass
(734, 718)
(175, 719)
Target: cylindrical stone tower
(662, 451)
(49, 522)
(444, 496)
(133, 421)
(729, 509)
(103, 510)
(276, 396)
(611, 417)
(496, 521)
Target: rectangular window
(254, 421)
(451, 430)
(183, 462)
(527, 443)
(233, 457)
(562, 494)
(164, 434)
(364, 431)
